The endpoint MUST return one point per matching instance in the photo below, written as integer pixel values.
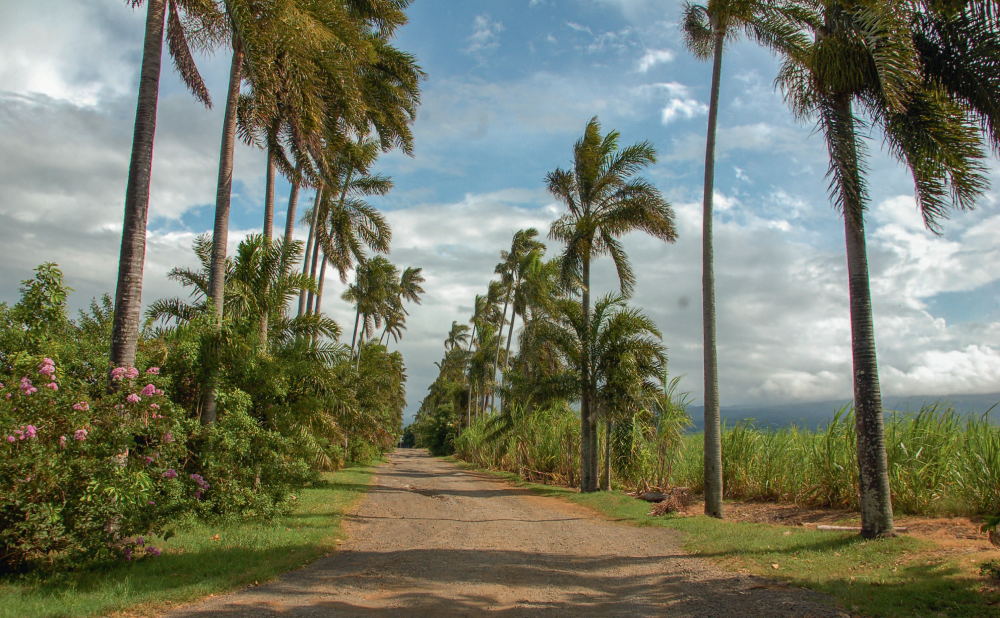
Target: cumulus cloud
(653, 57)
(485, 35)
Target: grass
(903, 577)
(201, 560)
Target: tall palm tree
(345, 228)
(864, 54)
(128, 295)
(706, 29)
(509, 270)
(605, 201)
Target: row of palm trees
(924, 73)
(317, 85)
(608, 356)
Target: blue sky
(510, 87)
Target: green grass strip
(899, 578)
(194, 564)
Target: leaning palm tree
(706, 28)
(863, 54)
(458, 335)
(128, 296)
(605, 201)
(509, 270)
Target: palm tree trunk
(128, 295)
(317, 250)
(268, 229)
(322, 279)
(713, 423)
(510, 336)
(306, 260)
(293, 200)
(269, 197)
(607, 454)
(588, 432)
(876, 498)
(354, 337)
(472, 338)
(220, 233)
(503, 318)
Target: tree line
(923, 73)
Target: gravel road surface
(432, 540)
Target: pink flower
(148, 391)
(132, 398)
(158, 392)
(1, 384)
(154, 406)
(118, 373)
(10, 396)
(82, 406)
(62, 440)
(153, 371)
(52, 385)
(47, 370)
(152, 551)
(152, 503)
(80, 434)
(170, 474)
(26, 387)
(11, 439)
(30, 430)
(168, 437)
(132, 373)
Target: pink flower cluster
(170, 474)
(154, 371)
(82, 406)
(148, 391)
(132, 398)
(202, 485)
(124, 372)
(80, 435)
(168, 438)
(26, 432)
(47, 368)
(26, 387)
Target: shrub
(78, 477)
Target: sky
(511, 86)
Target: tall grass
(940, 462)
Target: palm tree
(621, 346)
(345, 228)
(605, 202)
(128, 296)
(706, 28)
(864, 54)
(509, 270)
(458, 335)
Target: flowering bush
(76, 477)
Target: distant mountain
(814, 414)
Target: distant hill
(814, 414)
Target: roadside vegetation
(202, 558)
(127, 435)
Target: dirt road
(431, 540)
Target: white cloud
(485, 35)
(653, 57)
